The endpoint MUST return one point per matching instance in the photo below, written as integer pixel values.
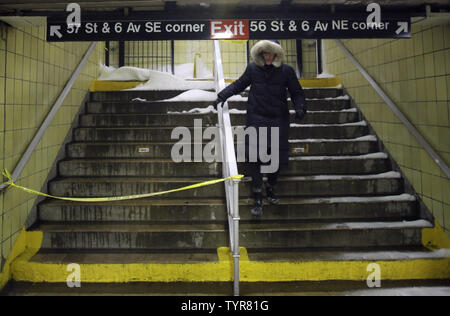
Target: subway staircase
(341, 207)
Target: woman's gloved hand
(300, 114)
(216, 103)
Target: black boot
(257, 209)
(271, 197)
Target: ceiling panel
(365, 2)
(58, 5)
(51, 5)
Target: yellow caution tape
(11, 183)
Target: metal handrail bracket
(56, 106)
(411, 128)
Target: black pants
(254, 169)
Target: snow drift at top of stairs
(155, 80)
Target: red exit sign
(230, 29)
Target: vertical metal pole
(153, 56)
(140, 49)
(121, 54)
(158, 61)
(166, 54)
(319, 56)
(172, 53)
(107, 49)
(248, 52)
(236, 252)
(146, 54)
(130, 54)
(299, 58)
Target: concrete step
(163, 149)
(326, 105)
(254, 255)
(255, 235)
(373, 254)
(127, 96)
(155, 107)
(214, 210)
(137, 168)
(143, 120)
(134, 236)
(162, 134)
(338, 165)
(318, 186)
(163, 107)
(314, 93)
(130, 95)
(367, 164)
(313, 117)
(322, 93)
(330, 235)
(334, 147)
(121, 150)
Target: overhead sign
(231, 29)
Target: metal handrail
(434, 155)
(40, 133)
(229, 165)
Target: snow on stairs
(340, 201)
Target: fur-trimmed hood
(269, 47)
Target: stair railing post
(236, 252)
(229, 165)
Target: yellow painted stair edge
(435, 238)
(222, 271)
(102, 86)
(25, 247)
(20, 268)
(98, 86)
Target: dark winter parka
(267, 100)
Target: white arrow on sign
(403, 27)
(54, 30)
